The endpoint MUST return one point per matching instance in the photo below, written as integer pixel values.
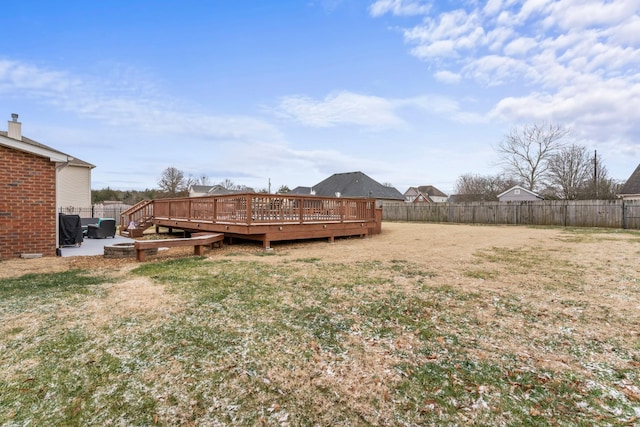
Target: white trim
(629, 196)
(54, 156)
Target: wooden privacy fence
(568, 213)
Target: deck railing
(257, 208)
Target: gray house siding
(518, 194)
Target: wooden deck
(256, 216)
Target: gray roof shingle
(430, 190)
(355, 184)
(632, 186)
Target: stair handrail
(136, 213)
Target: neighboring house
(214, 190)
(519, 194)
(352, 184)
(301, 191)
(199, 190)
(36, 182)
(631, 189)
(109, 209)
(424, 194)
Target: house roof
(200, 188)
(430, 190)
(219, 190)
(355, 184)
(517, 187)
(632, 186)
(34, 147)
(303, 191)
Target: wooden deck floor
(262, 217)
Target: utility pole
(595, 172)
(269, 185)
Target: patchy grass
(306, 341)
(482, 274)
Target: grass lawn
(510, 335)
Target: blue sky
(409, 92)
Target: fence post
(624, 216)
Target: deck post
(248, 198)
(301, 210)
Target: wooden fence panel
(569, 213)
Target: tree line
(539, 158)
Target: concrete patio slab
(92, 247)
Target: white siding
(74, 187)
(524, 196)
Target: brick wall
(27, 204)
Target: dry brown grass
(534, 304)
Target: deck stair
(139, 216)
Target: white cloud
(137, 106)
(30, 80)
(437, 49)
(370, 112)
(495, 70)
(577, 59)
(583, 14)
(442, 106)
(448, 77)
(342, 108)
(456, 26)
(399, 7)
(597, 109)
(627, 32)
(530, 8)
(520, 46)
(492, 7)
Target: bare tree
(243, 188)
(479, 188)
(189, 181)
(568, 170)
(524, 153)
(228, 184)
(172, 181)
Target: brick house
(30, 191)
(425, 194)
